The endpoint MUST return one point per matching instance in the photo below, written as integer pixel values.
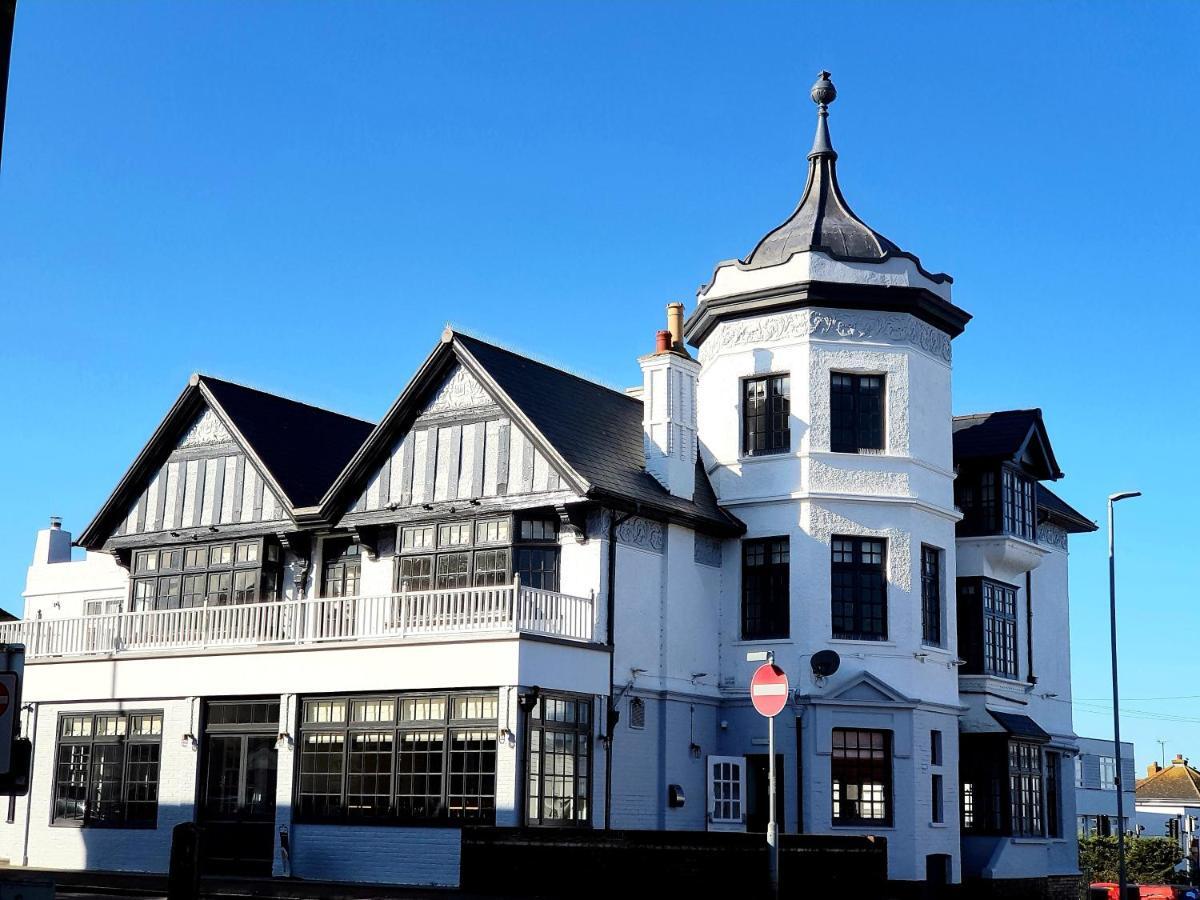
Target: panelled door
(237, 804)
(726, 793)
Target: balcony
(404, 617)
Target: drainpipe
(611, 607)
(31, 722)
(1032, 679)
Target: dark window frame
(997, 498)
(989, 628)
(534, 558)
(166, 586)
(405, 732)
(849, 768)
(766, 588)
(559, 735)
(858, 588)
(1026, 789)
(1053, 791)
(857, 412)
(932, 630)
(126, 743)
(766, 415)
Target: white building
(1168, 805)
(526, 599)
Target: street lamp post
(1112, 618)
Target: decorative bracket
(573, 519)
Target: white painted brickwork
(416, 856)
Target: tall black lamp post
(1112, 618)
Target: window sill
(862, 827)
(863, 642)
(95, 826)
(756, 642)
(938, 825)
(935, 648)
(744, 458)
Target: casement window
(766, 595)
(1108, 773)
(861, 775)
(399, 758)
(1025, 788)
(858, 588)
(937, 813)
(766, 426)
(106, 771)
(856, 404)
(1054, 827)
(1079, 771)
(987, 627)
(244, 571)
(341, 568)
(479, 552)
(935, 748)
(931, 596)
(558, 764)
(967, 805)
(997, 500)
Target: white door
(727, 793)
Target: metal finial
(823, 92)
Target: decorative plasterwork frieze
(825, 523)
(840, 325)
(459, 391)
(642, 534)
(1052, 536)
(206, 431)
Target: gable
(461, 446)
(206, 480)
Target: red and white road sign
(769, 690)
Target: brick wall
(381, 855)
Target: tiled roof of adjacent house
(1178, 781)
(1003, 435)
(304, 447)
(1062, 513)
(596, 430)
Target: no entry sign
(769, 690)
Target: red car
(1150, 891)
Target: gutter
(611, 607)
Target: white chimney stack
(53, 544)
(669, 378)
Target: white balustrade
(499, 609)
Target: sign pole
(769, 694)
(772, 825)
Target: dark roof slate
(1019, 725)
(596, 430)
(1001, 435)
(1062, 513)
(303, 447)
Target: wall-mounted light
(921, 656)
(284, 741)
(955, 663)
(188, 741)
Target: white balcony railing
(504, 609)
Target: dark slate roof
(1061, 513)
(823, 219)
(1019, 725)
(303, 447)
(596, 430)
(1178, 781)
(1001, 435)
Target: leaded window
(558, 788)
(766, 425)
(398, 757)
(217, 574)
(766, 594)
(861, 775)
(859, 588)
(1025, 787)
(997, 500)
(931, 596)
(856, 404)
(987, 627)
(445, 557)
(107, 769)
(341, 568)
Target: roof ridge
(200, 376)
(996, 412)
(620, 392)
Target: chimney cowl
(662, 342)
(675, 325)
(1179, 760)
(1153, 769)
(56, 522)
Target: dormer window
(1000, 500)
(856, 405)
(766, 412)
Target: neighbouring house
(1096, 787)
(523, 599)
(1168, 805)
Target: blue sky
(299, 196)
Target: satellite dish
(825, 662)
